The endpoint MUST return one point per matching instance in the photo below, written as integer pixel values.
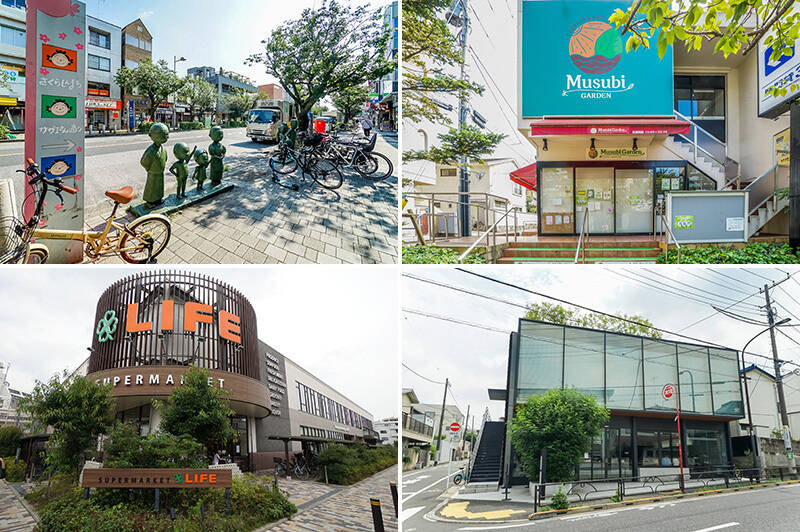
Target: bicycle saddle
(123, 195)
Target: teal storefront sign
(574, 64)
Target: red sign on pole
(668, 391)
(455, 427)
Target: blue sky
(207, 32)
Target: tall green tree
(9, 440)
(156, 81)
(350, 101)
(556, 313)
(125, 448)
(562, 421)
(326, 50)
(469, 142)
(240, 103)
(199, 95)
(199, 410)
(78, 409)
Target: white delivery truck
(264, 121)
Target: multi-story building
(103, 59)
(226, 82)
(12, 64)
(417, 432)
(386, 87)
(9, 402)
(137, 45)
(270, 91)
(387, 429)
(449, 448)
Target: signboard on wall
(573, 63)
(699, 217)
(615, 154)
(781, 145)
(54, 120)
(157, 478)
(783, 73)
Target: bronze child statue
(201, 158)
(217, 153)
(154, 161)
(180, 168)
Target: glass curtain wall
(725, 382)
(624, 372)
(541, 353)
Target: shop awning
(525, 176)
(609, 126)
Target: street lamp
(691, 379)
(747, 392)
(175, 61)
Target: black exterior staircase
(488, 457)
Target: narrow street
(421, 491)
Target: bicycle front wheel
(38, 255)
(364, 164)
(326, 173)
(145, 239)
(283, 162)
(383, 167)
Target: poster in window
(548, 220)
(558, 219)
(676, 183)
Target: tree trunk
(302, 115)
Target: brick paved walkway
(347, 509)
(13, 515)
(261, 222)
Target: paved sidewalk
(262, 222)
(14, 517)
(347, 509)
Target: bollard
(157, 503)
(393, 488)
(202, 511)
(228, 501)
(85, 493)
(727, 481)
(172, 513)
(326, 474)
(377, 517)
(780, 470)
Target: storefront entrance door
(594, 190)
(634, 205)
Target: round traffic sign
(454, 427)
(668, 390)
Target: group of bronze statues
(154, 161)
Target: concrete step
(595, 241)
(480, 487)
(596, 260)
(590, 252)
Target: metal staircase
(487, 462)
(766, 199)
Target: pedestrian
(217, 457)
(366, 124)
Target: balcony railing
(411, 424)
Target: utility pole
(775, 361)
(441, 420)
(466, 429)
(794, 175)
(463, 113)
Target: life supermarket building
(151, 327)
(617, 132)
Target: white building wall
(11, 54)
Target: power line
(687, 272)
(421, 376)
(716, 271)
(755, 274)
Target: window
(12, 36)
(131, 64)
(96, 38)
(541, 351)
(583, 362)
(96, 62)
(517, 189)
(19, 4)
(702, 99)
(448, 172)
(98, 89)
(132, 41)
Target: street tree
(350, 101)
(199, 95)
(9, 440)
(326, 50)
(156, 81)
(319, 109)
(562, 421)
(78, 409)
(199, 410)
(240, 103)
(469, 142)
(622, 323)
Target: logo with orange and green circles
(595, 47)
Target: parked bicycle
(357, 155)
(295, 469)
(137, 243)
(459, 477)
(286, 160)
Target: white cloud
(146, 14)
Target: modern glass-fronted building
(627, 373)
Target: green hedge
(9, 439)
(144, 127)
(434, 255)
(348, 464)
(752, 253)
(15, 472)
(191, 125)
(234, 123)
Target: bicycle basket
(371, 145)
(11, 230)
(315, 139)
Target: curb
(24, 503)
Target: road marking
(415, 479)
(497, 527)
(409, 512)
(423, 489)
(718, 527)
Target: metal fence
(409, 423)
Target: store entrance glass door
(594, 190)
(634, 205)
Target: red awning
(525, 176)
(609, 126)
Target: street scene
(628, 399)
(122, 426)
(598, 132)
(133, 148)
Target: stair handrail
(669, 234)
(580, 237)
(492, 229)
(772, 172)
(762, 176)
(474, 452)
(694, 140)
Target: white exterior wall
(14, 55)
(388, 430)
(114, 54)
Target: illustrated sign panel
(574, 63)
(157, 478)
(781, 143)
(54, 101)
(782, 73)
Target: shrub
(144, 127)
(126, 449)
(9, 440)
(4, 131)
(348, 464)
(234, 123)
(434, 255)
(191, 125)
(752, 253)
(15, 472)
(560, 500)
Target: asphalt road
(420, 492)
(772, 509)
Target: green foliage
(350, 101)
(154, 80)
(15, 471)
(562, 421)
(234, 123)
(319, 109)
(4, 131)
(617, 497)
(191, 125)
(9, 439)
(144, 127)
(430, 49)
(251, 497)
(78, 409)
(199, 95)
(469, 142)
(752, 253)
(240, 103)
(124, 448)
(56, 486)
(434, 255)
(557, 313)
(198, 410)
(348, 464)
(326, 50)
(559, 500)
(433, 451)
